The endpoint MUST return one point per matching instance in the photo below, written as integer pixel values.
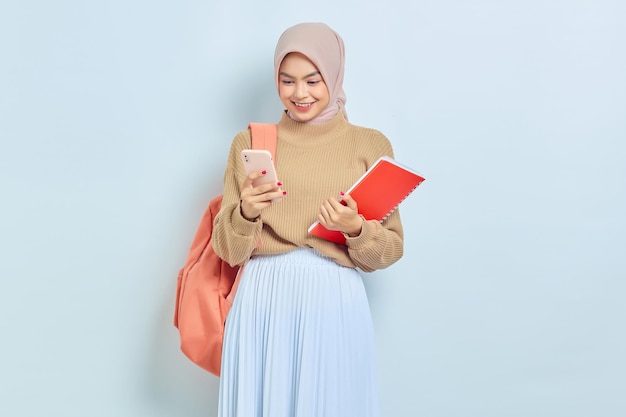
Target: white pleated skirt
(298, 341)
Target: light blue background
(115, 120)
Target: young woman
(298, 339)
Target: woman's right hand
(255, 199)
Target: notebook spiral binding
(399, 202)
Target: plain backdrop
(115, 121)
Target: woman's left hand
(343, 217)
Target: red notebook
(377, 193)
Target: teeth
(303, 104)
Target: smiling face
(301, 87)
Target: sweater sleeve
(379, 245)
(234, 237)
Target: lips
(303, 107)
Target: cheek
(284, 92)
(321, 90)
(322, 94)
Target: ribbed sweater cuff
(365, 238)
(243, 226)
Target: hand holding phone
(257, 160)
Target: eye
(313, 82)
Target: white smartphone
(260, 160)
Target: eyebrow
(306, 76)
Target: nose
(301, 90)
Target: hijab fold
(324, 47)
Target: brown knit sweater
(314, 162)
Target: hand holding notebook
(377, 193)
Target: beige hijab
(324, 47)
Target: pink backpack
(207, 284)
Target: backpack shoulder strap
(264, 136)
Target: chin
(301, 117)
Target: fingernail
(264, 172)
(342, 193)
(279, 183)
(284, 192)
